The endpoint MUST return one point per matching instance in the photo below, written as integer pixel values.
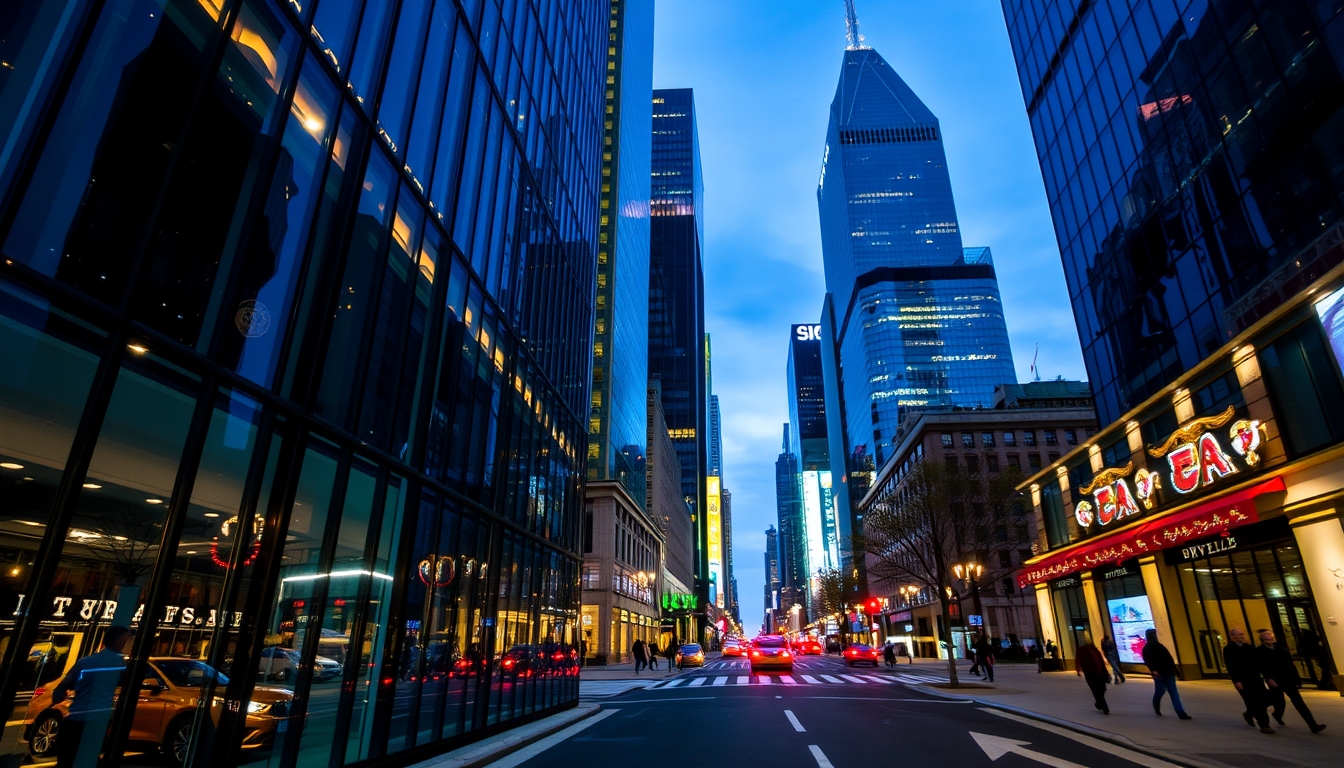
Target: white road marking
(797, 726)
(720, 681)
(531, 751)
(1104, 746)
(787, 680)
(854, 679)
(764, 680)
(829, 678)
(674, 683)
(880, 679)
(822, 762)
(811, 679)
(744, 680)
(998, 746)
(697, 681)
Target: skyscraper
(677, 301)
(715, 437)
(811, 448)
(1184, 184)
(296, 319)
(918, 317)
(615, 614)
(792, 539)
(771, 576)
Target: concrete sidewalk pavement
(1217, 736)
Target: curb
(1117, 739)
(486, 752)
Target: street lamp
(970, 573)
(908, 593)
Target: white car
(279, 663)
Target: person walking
(984, 656)
(653, 655)
(1092, 668)
(1243, 667)
(93, 680)
(889, 655)
(1112, 653)
(640, 652)
(1163, 666)
(1283, 679)
(670, 653)
(975, 659)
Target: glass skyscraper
(808, 439)
(918, 318)
(1192, 156)
(678, 356)
(617, 420)
(792, 544)
(297, 316)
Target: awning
(1200, 521)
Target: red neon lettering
(1124, 500)
(1105, 497)
(1184, 468)
(1216, 463)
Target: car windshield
(862, 648)
(769, 642)
(690, 648)
(184, 673)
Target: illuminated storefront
(1212, 506)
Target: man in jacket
(1283, 679)
(639, 651)
(1092, 668)
(1163, 666)
(1239, 657)
(93, 680)
(1112, 654)
(984, 656)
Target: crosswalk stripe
(832, 679)
(811, 679)
(764, 680)
(697, 681)
(880, 679)
(673, 683)
(853, 679)
(744, 679)
(787, 680)
(720, 681)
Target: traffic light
(874, 605)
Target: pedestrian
(1243, 666)
(984, 655)
(653, 654)
(1163, 666)
(670, 653)
(1112, 653)
(889, 655)
(1309, 648)
(1092, 668)
(908, 654)
(975, 660)
(640, 652)
(93, 680)
(1281, 675)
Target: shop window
(1115, 453)
(1214, 397)
(1305, 388)
(1052, 508)
(1157, 428)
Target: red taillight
(785, 654)
(755, 653)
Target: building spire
(852, 28)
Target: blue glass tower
(918, 318)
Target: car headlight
(257, 707)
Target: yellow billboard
(714, 519)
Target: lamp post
(970, 573)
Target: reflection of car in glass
(770, 651)
(163, 715)
(279, 663)
(521, 661)
(690, 655)
(862, 654)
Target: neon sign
(1195, 458)
(437, 571)
(1112, 495)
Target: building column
(1095, 623)
(1320, 538)
(1157, 603)
(1046, 610)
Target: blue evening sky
(764, 73)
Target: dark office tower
(919, 320)
(677, 356)
(807, 417)
(715, 438)
(295, 322)
(616, 421)
(792, 539)
(1191, 162)
(772, 575)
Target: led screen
(1331, 311)
(1131, 618)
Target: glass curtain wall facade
(296, 305)
(885, 200)
(1191, 154)
(617, 420)
(677, 356)
(789, 509)
(819, 533)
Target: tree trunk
(951, 646)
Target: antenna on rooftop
(852, 28)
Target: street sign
(976, 620)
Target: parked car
(173, 685)
(280, 663)
(690, 655)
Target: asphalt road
(868, 717)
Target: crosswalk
(601, 689)
(713, 681)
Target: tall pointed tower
(918, 318)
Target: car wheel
(42, 739)
(177, 741)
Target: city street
(823, 714)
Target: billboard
(1331, 312)
(812, 523)
(1131, 618)
(714, 520)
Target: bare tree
(938, 517)
(836, 590)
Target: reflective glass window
(402, 70)
(334, 30)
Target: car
(862, 654)
(690, 655)
(809, 647)
(280, 663)
(734, 648)
(173, 685)
(770, 651)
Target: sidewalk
(1217, 736)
